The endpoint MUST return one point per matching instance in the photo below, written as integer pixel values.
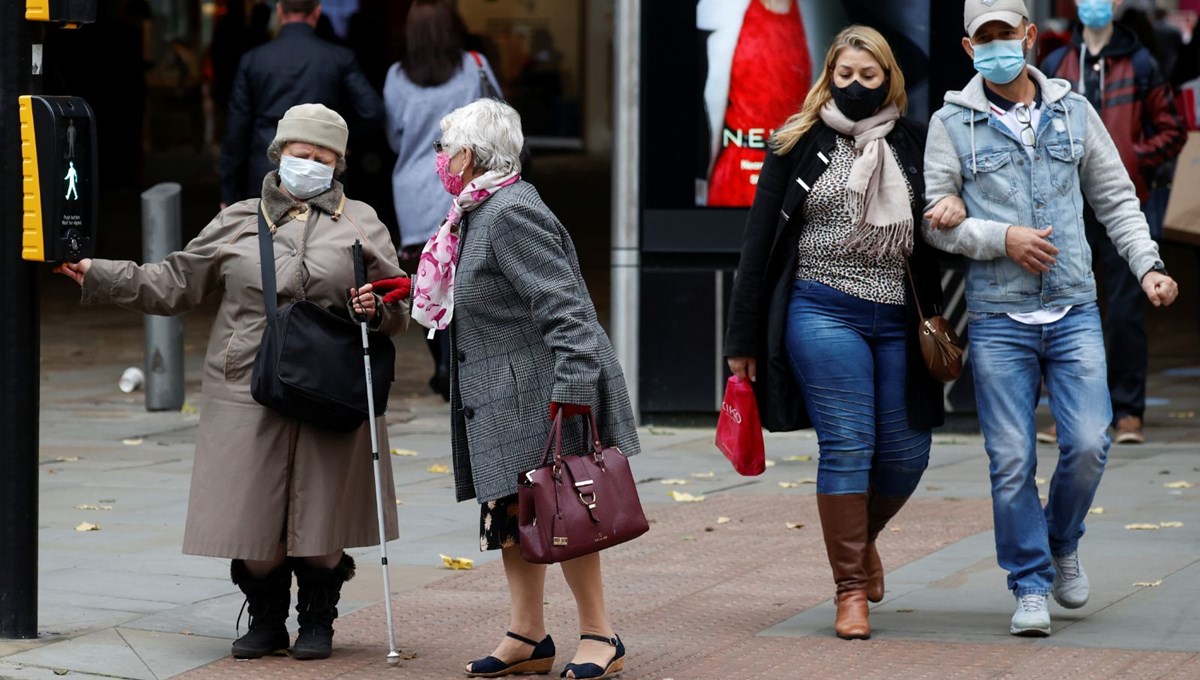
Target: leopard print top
(824, 259)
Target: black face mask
(858, 101)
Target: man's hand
(1160, 288)
(1029, 248)
(743, 367)
(947, 214)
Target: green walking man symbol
(72, 178)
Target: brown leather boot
(880, 510)
(844, 524)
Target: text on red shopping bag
(739, 430)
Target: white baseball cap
(978, 12)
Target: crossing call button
(60, 188)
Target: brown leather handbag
(941, 350)
(573, 505)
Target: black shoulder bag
(309, 364)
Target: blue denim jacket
(972, 154)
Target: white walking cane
(360, 278)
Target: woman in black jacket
(822, 311)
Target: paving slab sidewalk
(694, 598)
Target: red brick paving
(689, 598)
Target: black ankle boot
(268, 599)
(316, 604)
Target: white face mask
(304, 178)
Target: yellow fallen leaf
(1096, 511)
(1148, 584)
(66, 459)
(1141, 527)
(457, 563)
(133, 442)
(1170, 525)
(808, 480)
(794, 525)
(789, 485)
(770, 463)
(438, 469)
(797, 459)
(403, 452)
(704, 475)
(1179, 485)
(683, 497)
(1039, 481)
(399, 502)
(185, 632)
(87, 526)
(674, 482)
(723, 520)
(188, 410)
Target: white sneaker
(1032, 618)
(1070, 581)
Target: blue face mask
(1000, 61)
(1096, 14)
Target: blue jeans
(1010, 360)
(848, 356)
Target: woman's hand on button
(363, 301)
(75, 270)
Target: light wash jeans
(848, 356)
(1009, 360)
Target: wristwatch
(1158, 267)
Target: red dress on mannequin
(770, 76)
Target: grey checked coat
(524, 334)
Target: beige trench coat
(260, 478)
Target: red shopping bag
(739, 430)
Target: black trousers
(1123, 305)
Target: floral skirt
(498, 524)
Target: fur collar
(277, 204)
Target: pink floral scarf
(433, 285)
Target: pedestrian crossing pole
(19, 340)
(40, 138)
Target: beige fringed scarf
(876, 194)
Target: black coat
(297, 67)
(761, 291)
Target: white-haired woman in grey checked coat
(526, 343)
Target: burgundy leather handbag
(577, 504)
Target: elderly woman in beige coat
(277, 495)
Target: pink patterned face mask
(433, 284)
(453, 184)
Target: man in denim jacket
(1023, 152)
